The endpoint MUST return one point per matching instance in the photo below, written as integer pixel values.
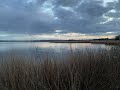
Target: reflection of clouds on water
(41, 47)
(6, 46)
(108, 47)
(39, 50)
(64, 47)
(23, 45)
(45, 45)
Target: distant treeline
(117, 37)
(58, 41)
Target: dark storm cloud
(46, 16)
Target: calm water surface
(44, 46)
(41, 47)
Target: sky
(59, 19)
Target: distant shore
(107, 42)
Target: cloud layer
(36, 17)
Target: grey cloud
(91, 9)
(117, 6)
(19, 16)
(84, 18)
(70, 3)
(64, 14)
(22, 18)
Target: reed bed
(79, 70)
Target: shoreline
(107, 42)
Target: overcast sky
(59, 19)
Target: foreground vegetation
(86, 70)
(117, 37)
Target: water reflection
(7, 46)
(38, 48)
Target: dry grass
(87, 70)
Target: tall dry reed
(80, 70)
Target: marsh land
(59, 66)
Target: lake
(38, 48)
(46, 46)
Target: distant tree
(117, 37)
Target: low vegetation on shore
(86, 70)
(117, 37)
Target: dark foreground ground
(86, 70)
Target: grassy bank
(86, 70)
